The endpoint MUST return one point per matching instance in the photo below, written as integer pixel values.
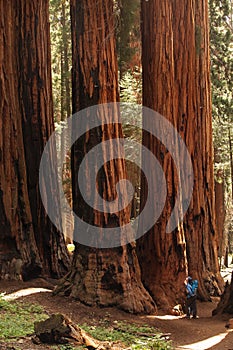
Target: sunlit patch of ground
(24, 292)
(207, 343)
(166, 317)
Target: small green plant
(17, 318)
(155, 343)
(133, 335)
(68, 347)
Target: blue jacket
(189, 290)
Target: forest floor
(206, 332)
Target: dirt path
(207, 332)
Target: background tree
(30, 242)
(129, 49)
(60, 30)
(221, 50)
(175, 61)
(128, 33)
(100, 276)
(219, 185)
(61, 77)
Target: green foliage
(132, 132)
(62, 136)
(221, 49)
(131, 86)
(60, 32)
(67, 347)
(128, 33)
(17, 319)
(133, 335)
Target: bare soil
(184, 333)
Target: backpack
(194, 286)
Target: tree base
(225, 306)
(135, 299)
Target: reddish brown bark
(231, 160)
(163, 253)
(17, 242)
(220, 213)
(27, 123)
(100, 276)
(175, 60)
(225, 305)
(195, 125)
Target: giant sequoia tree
(30, 245)
(176, 83)
(195, 124)
(163, 252)
(100, 276)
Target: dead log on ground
(60, 329)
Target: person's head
(188, 280)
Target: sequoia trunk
(108, 276)
(176, 84)
(163, 252)
(192, 66)
(27, 123)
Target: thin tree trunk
(231, 160)
(65, 113)
(220, 214)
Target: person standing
(191, 305)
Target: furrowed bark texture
(220, 215)
(164, 253)
(195, 125)
(27, 123)
(225, 305)
(176, 84)
(37, 118)
(100, 276)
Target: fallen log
(59, 329)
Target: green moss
(133, 335)
(17, 319)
